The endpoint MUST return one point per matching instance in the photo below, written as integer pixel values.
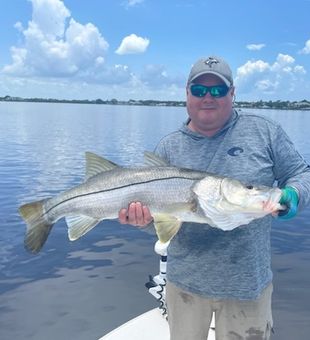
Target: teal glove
(290, 199)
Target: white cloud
(50, 16)
(252, 67)
(306, 49)
(56, 49)
(133, 44)
(85, 43)
(299, 69)
(255, 47)
(19, 26)
(267, 85)
(282, 63)
(258, 79)
(132, 3)
(99, 61)
(54, 44)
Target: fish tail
(38, 227)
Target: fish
(174, 195)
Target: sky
(144, 49)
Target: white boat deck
(148, 326)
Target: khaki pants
(189, 316)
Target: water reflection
(109, 245)
(291, 236)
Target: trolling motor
(157, 284)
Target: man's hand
(290, 199)
(136, 214)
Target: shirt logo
(211, 61)
(235, 151)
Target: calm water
(81, 290)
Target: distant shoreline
(278, 105)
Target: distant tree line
(278, 104)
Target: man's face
(209, 114)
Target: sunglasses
(216, 91)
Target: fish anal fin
(166, 226)
(79, 225)
(96, 164)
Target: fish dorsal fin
(96, 164)
(151, 159)
(79, 225)
(166, 226)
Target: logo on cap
(211, 61)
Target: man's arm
(292, 173)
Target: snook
(173, 196)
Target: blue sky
(143, 49)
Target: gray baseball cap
(211, 65)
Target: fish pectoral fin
(228, 221)
(166, 226)
(96, 164)
(79, 225)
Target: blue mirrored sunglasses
(216, 91)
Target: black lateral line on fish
(116, 188)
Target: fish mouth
(275, 195)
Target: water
(83, 289)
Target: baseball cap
(211, 65)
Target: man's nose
(207, 96)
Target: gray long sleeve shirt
(232, 264)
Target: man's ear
(187, 90)
(232, 91)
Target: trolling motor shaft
(157, 284)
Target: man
(210, 270)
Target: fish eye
(249, 187)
